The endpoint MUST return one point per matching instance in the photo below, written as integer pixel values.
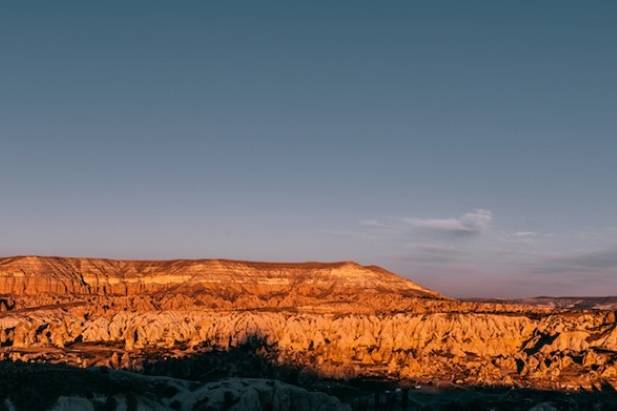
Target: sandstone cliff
(217, 284)
(340, 320)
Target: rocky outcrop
(555, 351)
(215, 284)
(338, 320)
(87, 276)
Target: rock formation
(339, 320)
(215, 284)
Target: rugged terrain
(597, 303)
(327, 320)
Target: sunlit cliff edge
(31, 275)
(338, 320)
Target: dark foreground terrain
(244, 379)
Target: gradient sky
(471, 146)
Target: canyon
(337, 321)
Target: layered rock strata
(338, 320)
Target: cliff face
(210, 283)
(341, 320)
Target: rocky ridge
(214, 284)
(337, 320)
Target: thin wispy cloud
(471, 223)
(473, 245)
(526, 234)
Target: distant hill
(587, 303)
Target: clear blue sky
(471, 146)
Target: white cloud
(474, 222)
(526, 234)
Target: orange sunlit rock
(335, 319)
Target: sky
(469, 146)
